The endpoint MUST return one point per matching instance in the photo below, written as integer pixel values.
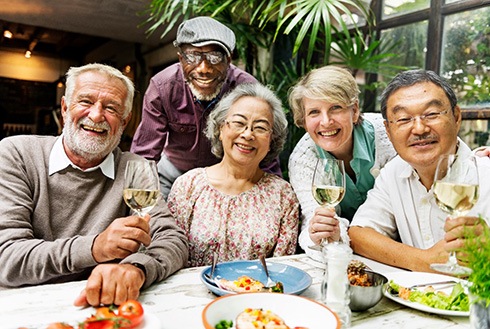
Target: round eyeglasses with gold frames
(258, 129)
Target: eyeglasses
(429, 118)
(195, 58)
(258, 129)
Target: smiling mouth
(329, 133)
(423, 143)
(204, 82)
(94, 129)
(245, 147)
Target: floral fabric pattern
(262, 220)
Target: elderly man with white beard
(62, 215)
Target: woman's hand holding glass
(328, 188)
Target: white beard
(91, 148)
(202, 97)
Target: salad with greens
(456, 301)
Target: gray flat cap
(203, 31)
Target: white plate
(294, 310)
(407, 279)
(150, 321)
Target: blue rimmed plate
(294, 280)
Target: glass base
(450, 268)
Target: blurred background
(277, 41)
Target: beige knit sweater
(48, 223)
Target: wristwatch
(141, 267)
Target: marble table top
(178, 301)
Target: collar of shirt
(462, 150)
(363, 159)
(58, 160)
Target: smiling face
(94, 119)
(204, 79)
(420, 143)
(247, 147)
(330, 125)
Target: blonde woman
(325, 103)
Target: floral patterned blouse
(262, 220)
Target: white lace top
(302, 164)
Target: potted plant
(477, 253)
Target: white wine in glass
(141, 186)
(456, 192)
(328, 185)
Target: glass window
(466, 56)
(400, 7)
(411, 48)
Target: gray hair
(330, 83)
(74, 72)
(412, 77)
(217, 118)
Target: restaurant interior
(41, 39)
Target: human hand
(122, 238)
(111, 284)
(483, 152)
(437, 254)
(324, 226)
(458, 228)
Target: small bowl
(363, 298)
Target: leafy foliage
(477, 251)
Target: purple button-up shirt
(173, 120)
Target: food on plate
(247, 284)
(242, 284)
(357, 275)
(129, 315)
(257, 318)
(457, 300)
(58, 325)
(224, 324)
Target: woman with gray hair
(234, 208)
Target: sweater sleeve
(168, 250)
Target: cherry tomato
(131, 310)
(97, 324)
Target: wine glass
(141, 186)
(456, 192)
(328, 185)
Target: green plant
(477, 252)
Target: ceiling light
(28, 54)
(7, 34)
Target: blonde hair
(330, 83)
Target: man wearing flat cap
(179, 99)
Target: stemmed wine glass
(328, 185)
(456, 192)
(141, 186)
